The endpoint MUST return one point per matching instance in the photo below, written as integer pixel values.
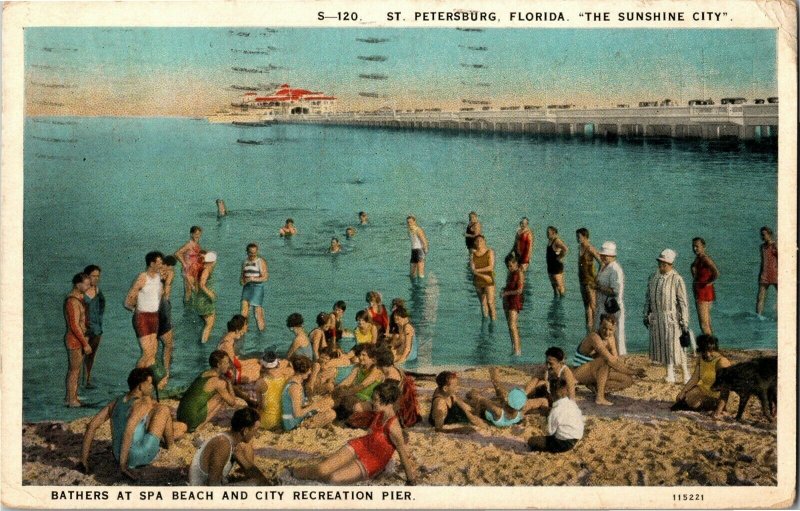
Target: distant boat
(248, 142)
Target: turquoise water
(108, 190)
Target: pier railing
(705, 121)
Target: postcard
(411, 254)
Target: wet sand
(638, 441)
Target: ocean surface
(108, 190)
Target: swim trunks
(417, 255)
(145, 323)
(253, 293)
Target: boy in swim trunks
(138, 425)
(144, 299)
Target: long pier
(733, 121)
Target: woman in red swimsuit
(365, 457)
(704, 273)
(512, 300)
(377, 312)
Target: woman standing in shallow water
(204, 298)
(768, 276)
(704, 273)
(189, 256)
(482, 264)
(556, 252)
(512, 300)
(95, 308)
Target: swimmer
(363, 219)
(335, 247)
(350, 232)
(287, 230)
(221, 209)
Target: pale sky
(197, 71)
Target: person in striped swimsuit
(598, 365)
(254, 275)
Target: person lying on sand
(214, 460)
(207, 393)
(600, 368)
(449, 413)
(564, 424)
(507, 408)
(365, 457)
(138, 425)
(541, 390)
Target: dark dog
(757, 377)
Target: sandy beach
(638, 441)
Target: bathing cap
(517, 398)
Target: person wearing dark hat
(666, 315)
(138, 425)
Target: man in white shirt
(564, 425)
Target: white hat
(210, 257)
(667, 255)
(608, 248)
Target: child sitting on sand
(564, 424)
(507, 408)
